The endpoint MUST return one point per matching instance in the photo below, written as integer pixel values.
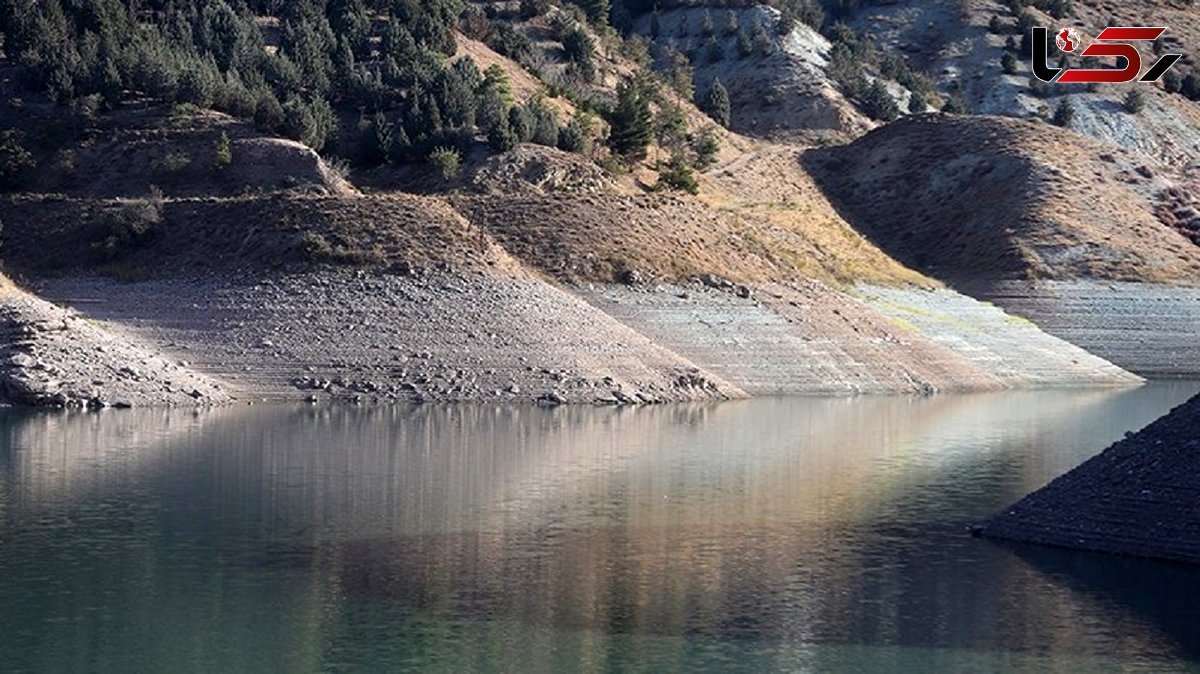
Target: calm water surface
(776, 534)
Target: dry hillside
(981, 197)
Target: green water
(765, 535)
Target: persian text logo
(1112, 41)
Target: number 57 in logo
(1113, 41)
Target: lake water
(775, 534)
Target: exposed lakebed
(776, 533)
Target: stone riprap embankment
(54, 356)
(1150, 329)
(1141, 496)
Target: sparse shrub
(222, 153)
(314, 247)
(571, 139)
(1064, 113)
(1135, 101)
(1172, 82)
(678, 175)
(446, 161)
(16, 163)
(1190, 87)
(171, 163)
(130, 225)
(706, 149)
(956, 105)
(1008, 62)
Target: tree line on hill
(373, 79)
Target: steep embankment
(1139, 497)
(1092, 243)
(55, 356)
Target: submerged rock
(1141, 497)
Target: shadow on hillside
(828, 169)
(954, 255)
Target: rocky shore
(1140, 497)
(509, 337)
(54, 356)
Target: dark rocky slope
(1141, 497)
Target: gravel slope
(1153, 330)
(55, 356)
(449, 337)
(442, 337)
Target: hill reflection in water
(793, 533)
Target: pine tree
(731, 23)
(501, 137)
(1064, 112)
(879, 104)
(521, 122)
(631, 122)
(706, 24)
(706, 149)
(713, 51)
(1008, 62)
(744, 46)
(716, 103)
(917, 104)
(597, 11)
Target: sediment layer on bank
(1141, 497)
(1147, 328)
(443, 336)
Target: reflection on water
(778, 533)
